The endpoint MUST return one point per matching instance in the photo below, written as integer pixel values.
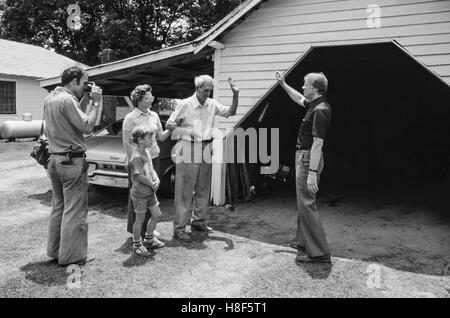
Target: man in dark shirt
(309, 164)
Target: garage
(384, 190)
(390, 129)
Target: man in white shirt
(192, 123)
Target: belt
(203, 141)
(302, 148)
(70, 154)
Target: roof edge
(4, 75)
(288, 70)
(226, 23)
(423, 65)
(136, 60)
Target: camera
(89, 86)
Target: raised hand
(233, 86)
(279, 77)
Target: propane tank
(27, 117)
(20, 129)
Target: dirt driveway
(380, 249)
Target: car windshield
(114, 129)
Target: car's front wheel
(167, 187)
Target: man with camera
(65, 124)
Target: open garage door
(391, 119)
(384, 192)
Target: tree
(129, 27)
(44, 23)
(205, 14)
(137, 26)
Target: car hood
(105, 148)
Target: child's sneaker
(141, 251)
(154, 243)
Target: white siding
(29, 98)
(280, 31)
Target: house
(389, 70)
(21, 67)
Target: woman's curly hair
(138, 93)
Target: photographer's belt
(70, 154)
(302, 148)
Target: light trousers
(192, 187)
(68, 228)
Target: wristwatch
(96, 104)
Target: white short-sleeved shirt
(138, 118)
(197, 117)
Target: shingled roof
(20, 59)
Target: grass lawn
(231, 262)
(220, 265)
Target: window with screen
(7, 97)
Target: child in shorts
(143, 191)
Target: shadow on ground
(134, 260)
(47, 273)
(317, 271)
(43, 198)
(197, 241)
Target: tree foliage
(129, 27)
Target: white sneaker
(141, 251)
(155, 243)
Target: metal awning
(169, 71)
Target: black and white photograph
(224, 154)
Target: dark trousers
(310, 232)
(131, 214)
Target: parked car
(106, 157)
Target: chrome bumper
(109, 178)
